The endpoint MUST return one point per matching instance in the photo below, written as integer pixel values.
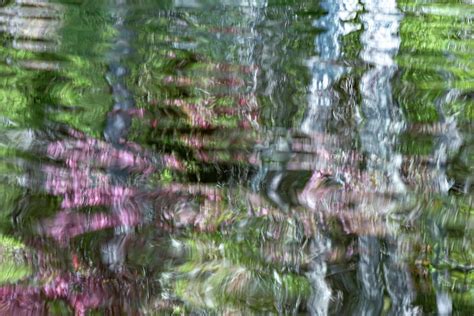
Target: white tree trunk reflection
(327, 69)
(380, 123)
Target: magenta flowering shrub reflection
(80, 177)
(80, 293)
(85, 182)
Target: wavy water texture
(236, 157)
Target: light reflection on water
(223, 157)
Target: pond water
(236, 157)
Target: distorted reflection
(236, 157)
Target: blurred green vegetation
(13, 267)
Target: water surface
(236, 157)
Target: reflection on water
(236, 157)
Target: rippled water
(236, 157)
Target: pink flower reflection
(81, 293)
